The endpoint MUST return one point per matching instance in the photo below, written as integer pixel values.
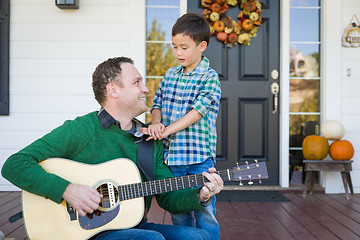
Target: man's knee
(200, 234)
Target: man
(98, 137)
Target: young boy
(184, 113)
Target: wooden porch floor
(318, 216)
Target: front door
(248, 123)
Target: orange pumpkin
(215, 7)
(232, 37)
(341, 150)
(315, 147)
(247, 24)
(249, 6)
(222, 36)
(219, 26)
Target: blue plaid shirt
(177, 95)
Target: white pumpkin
(332, 130)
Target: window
(4, 56)
(305, 76)
(161, 15)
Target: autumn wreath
(226, 29)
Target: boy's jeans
(205, 217)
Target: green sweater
(85, 140)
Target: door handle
(275, 90)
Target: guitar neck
(249, 172)
(136, 190)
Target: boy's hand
(154, 131)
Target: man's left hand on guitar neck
(211, 188)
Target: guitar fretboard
(136, 190)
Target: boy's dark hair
(105, 73)
(194, 25)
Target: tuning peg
(237, 164)
(260, 181)
(247, 163)
(241, 184)
(256, 161)
(250, 182)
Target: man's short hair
(105, 73)
(194, 25)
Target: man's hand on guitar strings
(83, 198)
(213, 187)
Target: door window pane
(163, 2)
(152, 84)
(304, 3)
(304, 25)
(304, 95)
(159, 58)
(161, 15)
(305, 79)
(162, 19)
(302, 126)
(304, 60)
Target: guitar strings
(136, 190)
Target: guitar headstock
(249, 172)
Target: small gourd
(219, 26)
(222, 36)
(232, 38)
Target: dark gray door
(247, 127)
(4, 56)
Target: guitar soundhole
(110, 197)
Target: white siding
(53, 54)
(341, 95)
(350, 94)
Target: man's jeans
(205, 217)
(152, 231)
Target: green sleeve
(23, 169)
(179, 201)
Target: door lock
(274, 74)
(275, 90)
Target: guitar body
(45, 220)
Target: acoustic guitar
(122, 206)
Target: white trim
(331, 77)
(157, 41)
(306, 78)
(304, 113)
(299, 7)
(161, 6)
(315, 43)
(183, 7)
(284, 93)
(138, 42)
